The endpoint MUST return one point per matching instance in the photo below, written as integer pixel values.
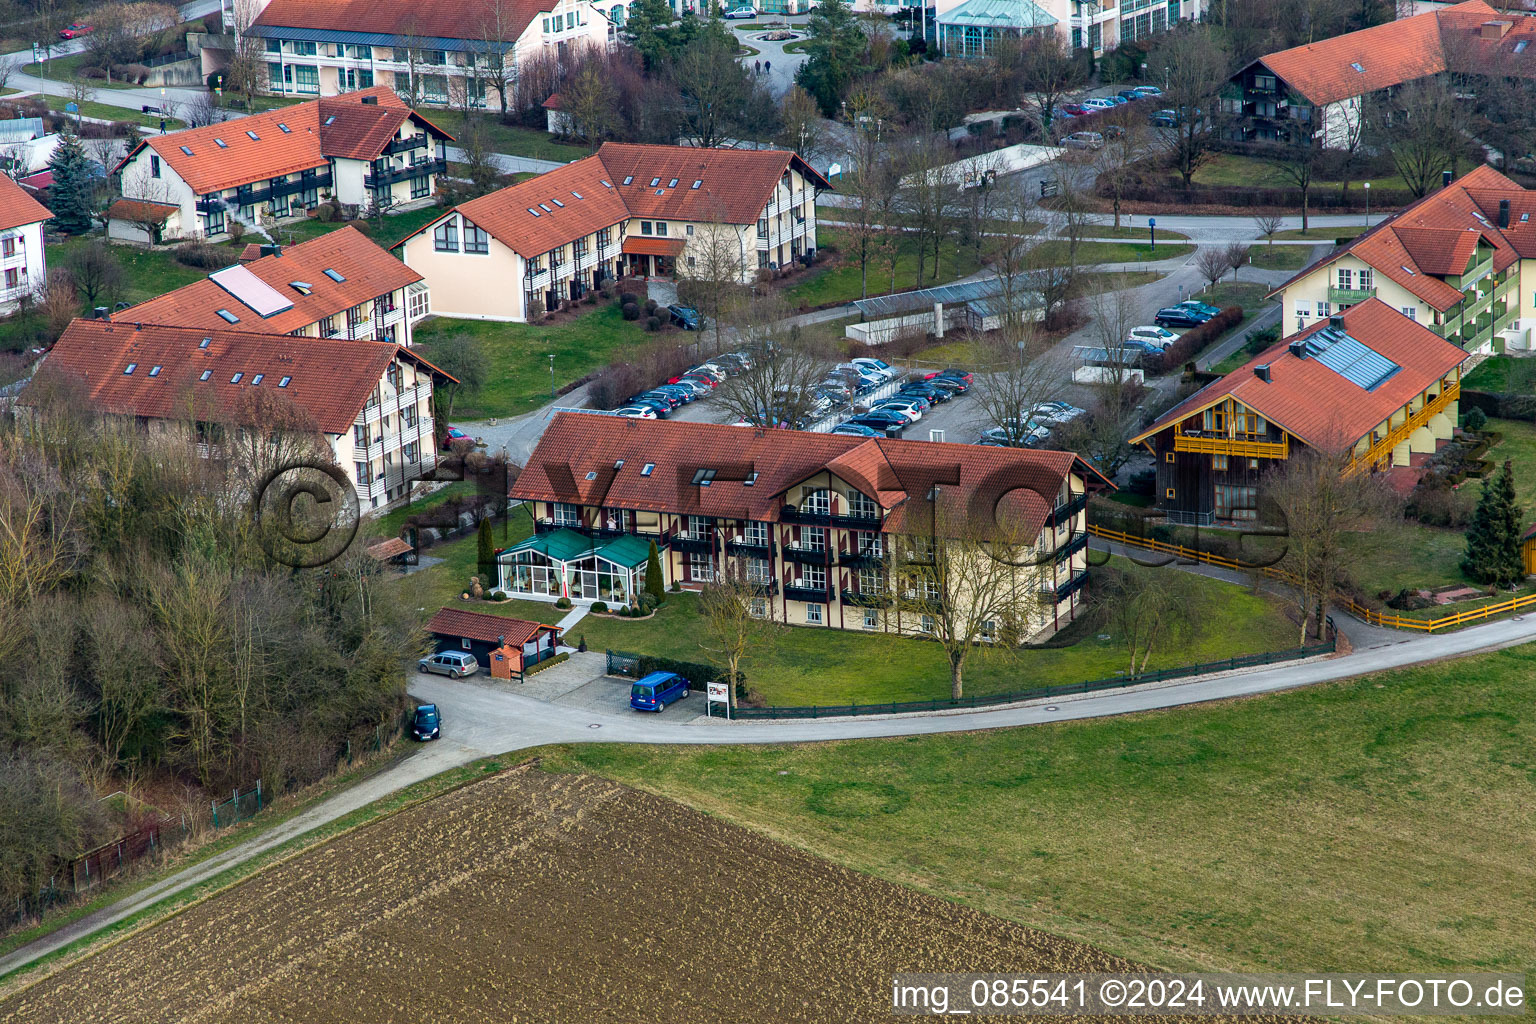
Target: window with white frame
(989, 630)
(445, 237)
(814, 614)
(1367, 279)
(927, 624)
(1322, 307)
(861, 504)
(813, 538)
(813, 577)
(701, 565)
(871, 581)
(755, 533)
(698, 527)
(565, 514)
(759, 570)
(759, 607)
(868, 543)
(871, 618)
(1411, 312)
(1346, 278)
(816, 503)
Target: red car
(455, 434)
(71, 31)
(1075, 109)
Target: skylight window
(578, 195)
(558, 203)
(629, 179)
(333, 275)
(606, 182)
(131, 368)
(187, 150)
(655, 182)
(284, 382)
(154, 371)
(205, 343)
(591, 475)
(206, 374)
(331, 119)
(618, 465)
(302, 287)
(545, 208)
(534, 212)
(228, 317)
(661, 191)
(252, 135)
(282, 127)
(646, 469)
(1524, 217)
(236, 378)
(1521, 45)
(1410, 270)
(221, 143)
(750, 480)
(697, 182)
(257, 379)
(672, 183)
(1357, 67)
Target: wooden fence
(1360, 611)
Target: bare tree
(873, 186)
(736, 623)
(96, 271)
(1124, 145)
(1298, 157)
(1196, 66)
(714, 269)
(246, 71)
(1237, 255)
(9, 66)
(590, 101)
(787, 364)
(200, 112)
(929, 194)
(1022, 374)
(1049, 72)
(1212, 263)
(1267, 224)
(1150, 607)
(146, 210)
(1424, 131)
(802, 129)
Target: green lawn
(61, 69)
(1279, 257)
(838, 281)
(508, 138)
(396, 226)
(146, 272)
(1235, 170)
(107, 112)
(518, 379)
(1502, 373)
(1380, 820)
(1137, 234)
(1322, 234)
(1248, 294)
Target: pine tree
(653, 583)
(487, 550)
(75, 182)
(1493, 539)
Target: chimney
(271, 250)
(1503, 213)
(1262, 372)
(1337, 320)
(1445, 179)
(1299, 348)
(102, 313)
(371, 100)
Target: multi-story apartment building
(628, 209)
(1461, 261)
(340, 285)
(972, 28)
(1366, 384)
(1318, 90)
(818, 520)
(368, 405)
(23, 261)
(439, 54)
(364, 149)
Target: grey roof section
(1349, 357)
(881, 306)
(1016, 14)
(21, 129)
(996, 306)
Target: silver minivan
(453, 664)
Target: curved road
(481, 721)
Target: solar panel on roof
(1349, 357)
(251, 290)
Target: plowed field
(538, 897)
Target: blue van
(655, 691)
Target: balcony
(694, 543)
(389, 176)
(1222, 444)
(1072, 547)
(861, 559)
(806, 556)
(747, 547)
(1349, 296)
(1068, 512)
(1065, 590)
(406, 145)
(392, 403)
(1474, 274)
(864, 600)
(791, 514)
(1502, 322)
(857, 521)
(796, 592)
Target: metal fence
(623, 663)
(1038, 692)
(92, 868)
(240, 807)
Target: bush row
(205, 255)
(1504, 406)
(696, 673)
(1195, 339)
(547, 663)
(1321, 199)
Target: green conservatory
(565, 563)
(974, 28)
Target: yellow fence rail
(1356, 609)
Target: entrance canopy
(641, 246)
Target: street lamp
(1367, 204)
(1152, 231)
(162, 110)
(551, 376)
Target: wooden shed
(506, 646)
(1528, 550)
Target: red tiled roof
(640, 246)
(140, 211)
(329, 380)
(554, 102)
(1436, 235)
(1318, 405)
(18, 208)
(360, 131)
(898, 474)
(368, 271)
(735, 185)
(485, 627)
(470, 20)
(388, 548)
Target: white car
(879, 366)
(1159, 336)
(740, 12)
(912, 410)
(636, 412)
(1054, 412)
(1099, 103)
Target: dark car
(1130, 95)
(1164, 119)
(881, 419)
(954, 385)
(652, 692)
(656, 398)
(661, 408)
(686, 394)
(851, 429)
(426, 723)
(686, 317)
(922, 389)
(1179, 316)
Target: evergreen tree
(1493, 539)
(487, 551)
(75, 182)
(837, 54)
(653, 583)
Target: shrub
(631, 311)
(598, 607)
(92, 73)
(695, 672)
(650, 305)
(1475, 420)
(205, 255)
(1409, 600)
(563, 602)
(136, 73)
(498, 595)
(653, 323)
(1192, 341)
(676, 587)
(547, 663)
(613, 384)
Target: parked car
(922, 389)
(1055, 412)
(689, 389)
(1098, 103)
(685, 317)
(740, 12)
(1112, 131)
(878, 366)
(1149, 90)
(1060, 114)
(1083, 140)
(1179, 316)
(908, 407)
(637, 412)
(74, 31)
(1006, 437)
(882, 421)
(1145, 348)
(1074, 109)
(665, 398)
(954, 373)
(455, 434)
(453, 664)
(1130, 95)
(1201, 307)
(653, 692)
(856, 430)
(1156, 335)
(426, 723)
(1117, 99)
(703, 380)
(1164, 118)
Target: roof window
(655, 182)
(154, 371)
(629, 179)
(331, 119)
(236, 378)
(205, 343)
(618, 465)
(606, 182)
(591, 474)
(703, 477)
(545, 208)
(187, 150)
(534, 212)
(205, 375)
(578, 195)
(558, 203)
(750, 480)
(284, 382)
(221, 143)
(697, 182)
(302, 287)
(252, 135)
(1524, 217)
(672, 183)
(661, 191)
(131, 368)
(257, 379)
(333, 275)
(1410, 270)
(1357, 67)
(282, 128)
(1521, 45)
(228, 317)
(646, 469)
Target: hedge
(547, 662)
(1195, 339)
(697, 674)
(1503, 406)
(1321, 199)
